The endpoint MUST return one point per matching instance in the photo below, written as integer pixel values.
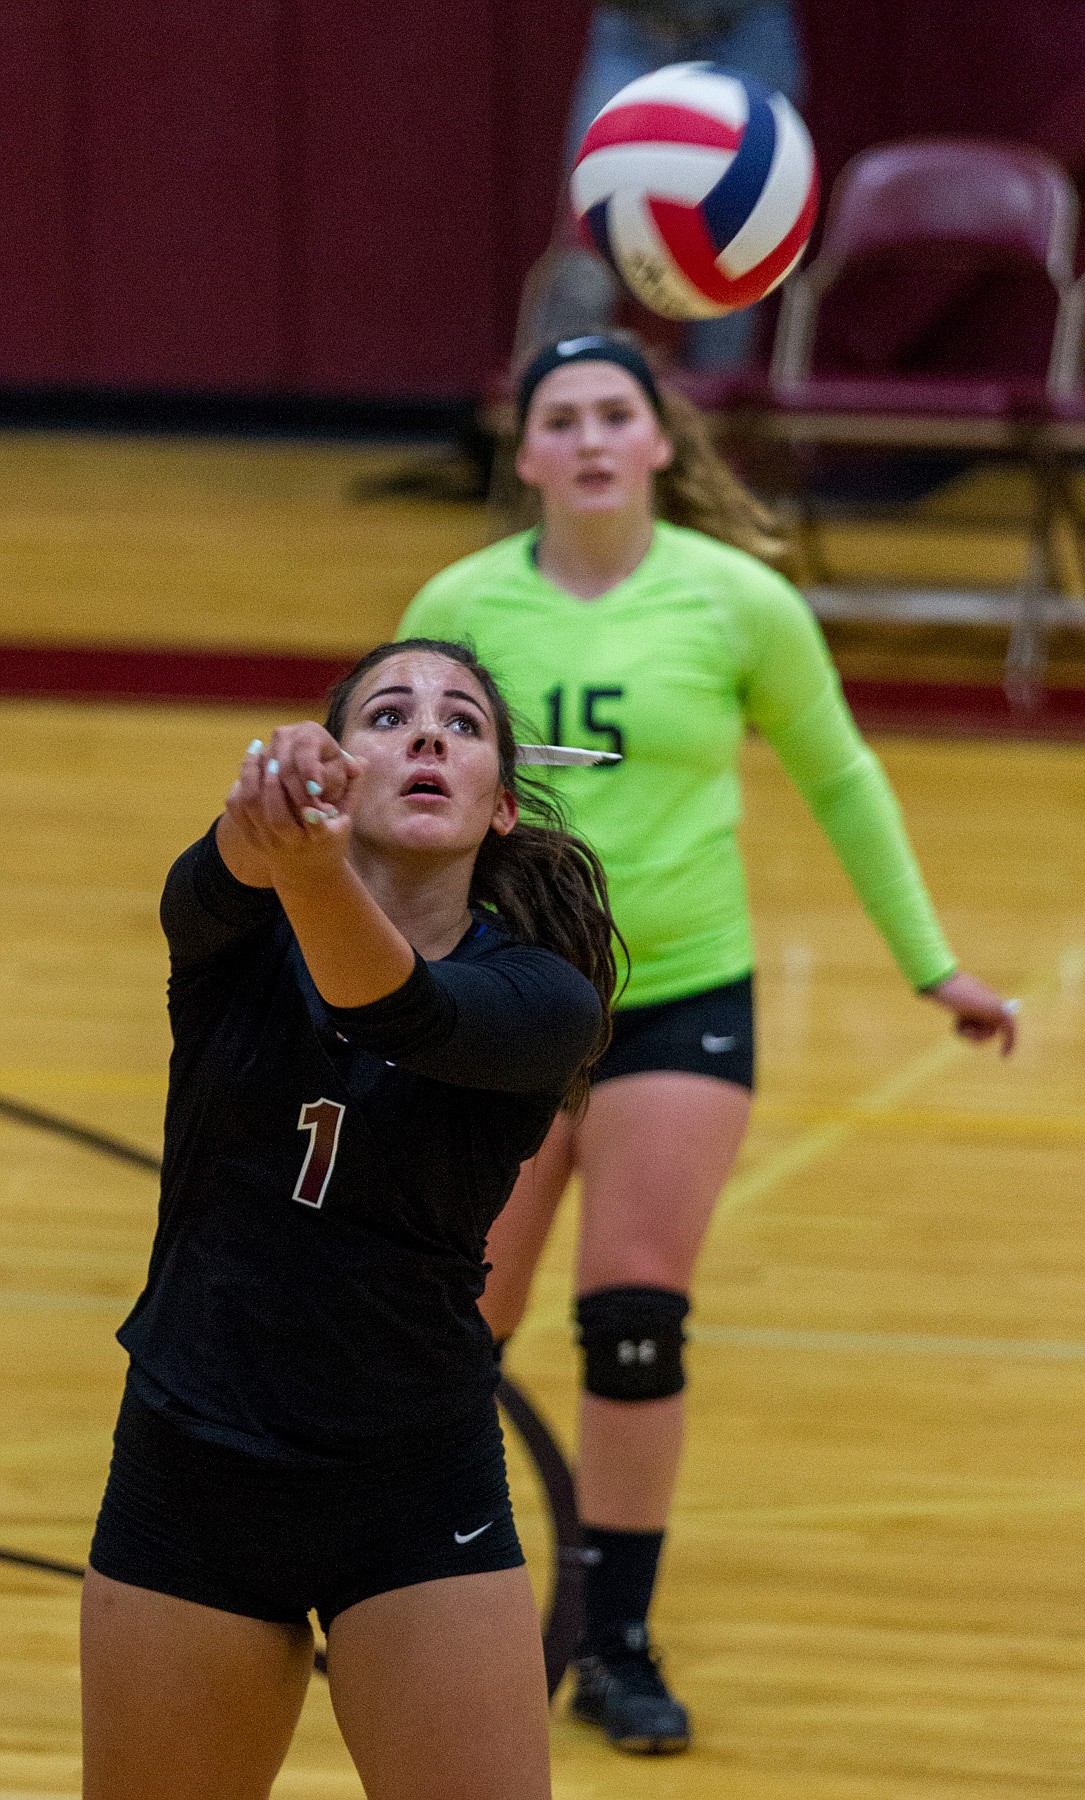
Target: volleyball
(699, 187)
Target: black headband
(586, 349)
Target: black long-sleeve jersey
(330, 1174)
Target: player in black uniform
(384, 983)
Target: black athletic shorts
(703, 1034)
(275, 1540)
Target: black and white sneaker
(621, 1690)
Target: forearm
(351, 949)
(845, 788)
(353, 952)
(862, 820)
(243, 860)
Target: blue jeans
(760, 40)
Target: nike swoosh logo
(464, 1537)
(715, 1044)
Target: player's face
(592, 441)
(422, 729)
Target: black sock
(619, 1575)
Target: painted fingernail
(273, 766)
(1013, 1006)
(311, 816)
(349, 757)
(314, 788)
(255, 747)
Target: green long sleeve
(795, 699)
(669, 667)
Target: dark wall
(882, 69)
(333, 197)
(140, 213)
(299, 195)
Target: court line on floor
(550, 1319)
(935, 1121)
(40, 1120)
(91, 1081)
(889, 1343)
(22, 1300)
(44, 1443)
(776, 1168)
(824, 1139)
(866, 1512)
(737, 1337)
(10, 1793)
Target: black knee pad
(632, 1339)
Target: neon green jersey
(669, 667)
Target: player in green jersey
(655, 636)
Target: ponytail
(547, 885)
(698, 489)
(549, 888)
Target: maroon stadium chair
(944, 214)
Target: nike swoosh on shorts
(715, 1044)
(464, 1537)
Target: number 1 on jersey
(321, 1119)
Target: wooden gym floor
(874, 1583)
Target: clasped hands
(289, 804)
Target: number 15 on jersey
(592, 716)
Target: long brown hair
(698, 490)
(547, 885)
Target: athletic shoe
(622, 1691)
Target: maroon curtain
(977, 68)
(312, 195)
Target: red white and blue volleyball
(699, 187)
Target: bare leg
(629, 1461)
(654, 1151)
(184, 1700)
(440, 1692)
(518, 1235)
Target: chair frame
(766, 424)
(1042, 444)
